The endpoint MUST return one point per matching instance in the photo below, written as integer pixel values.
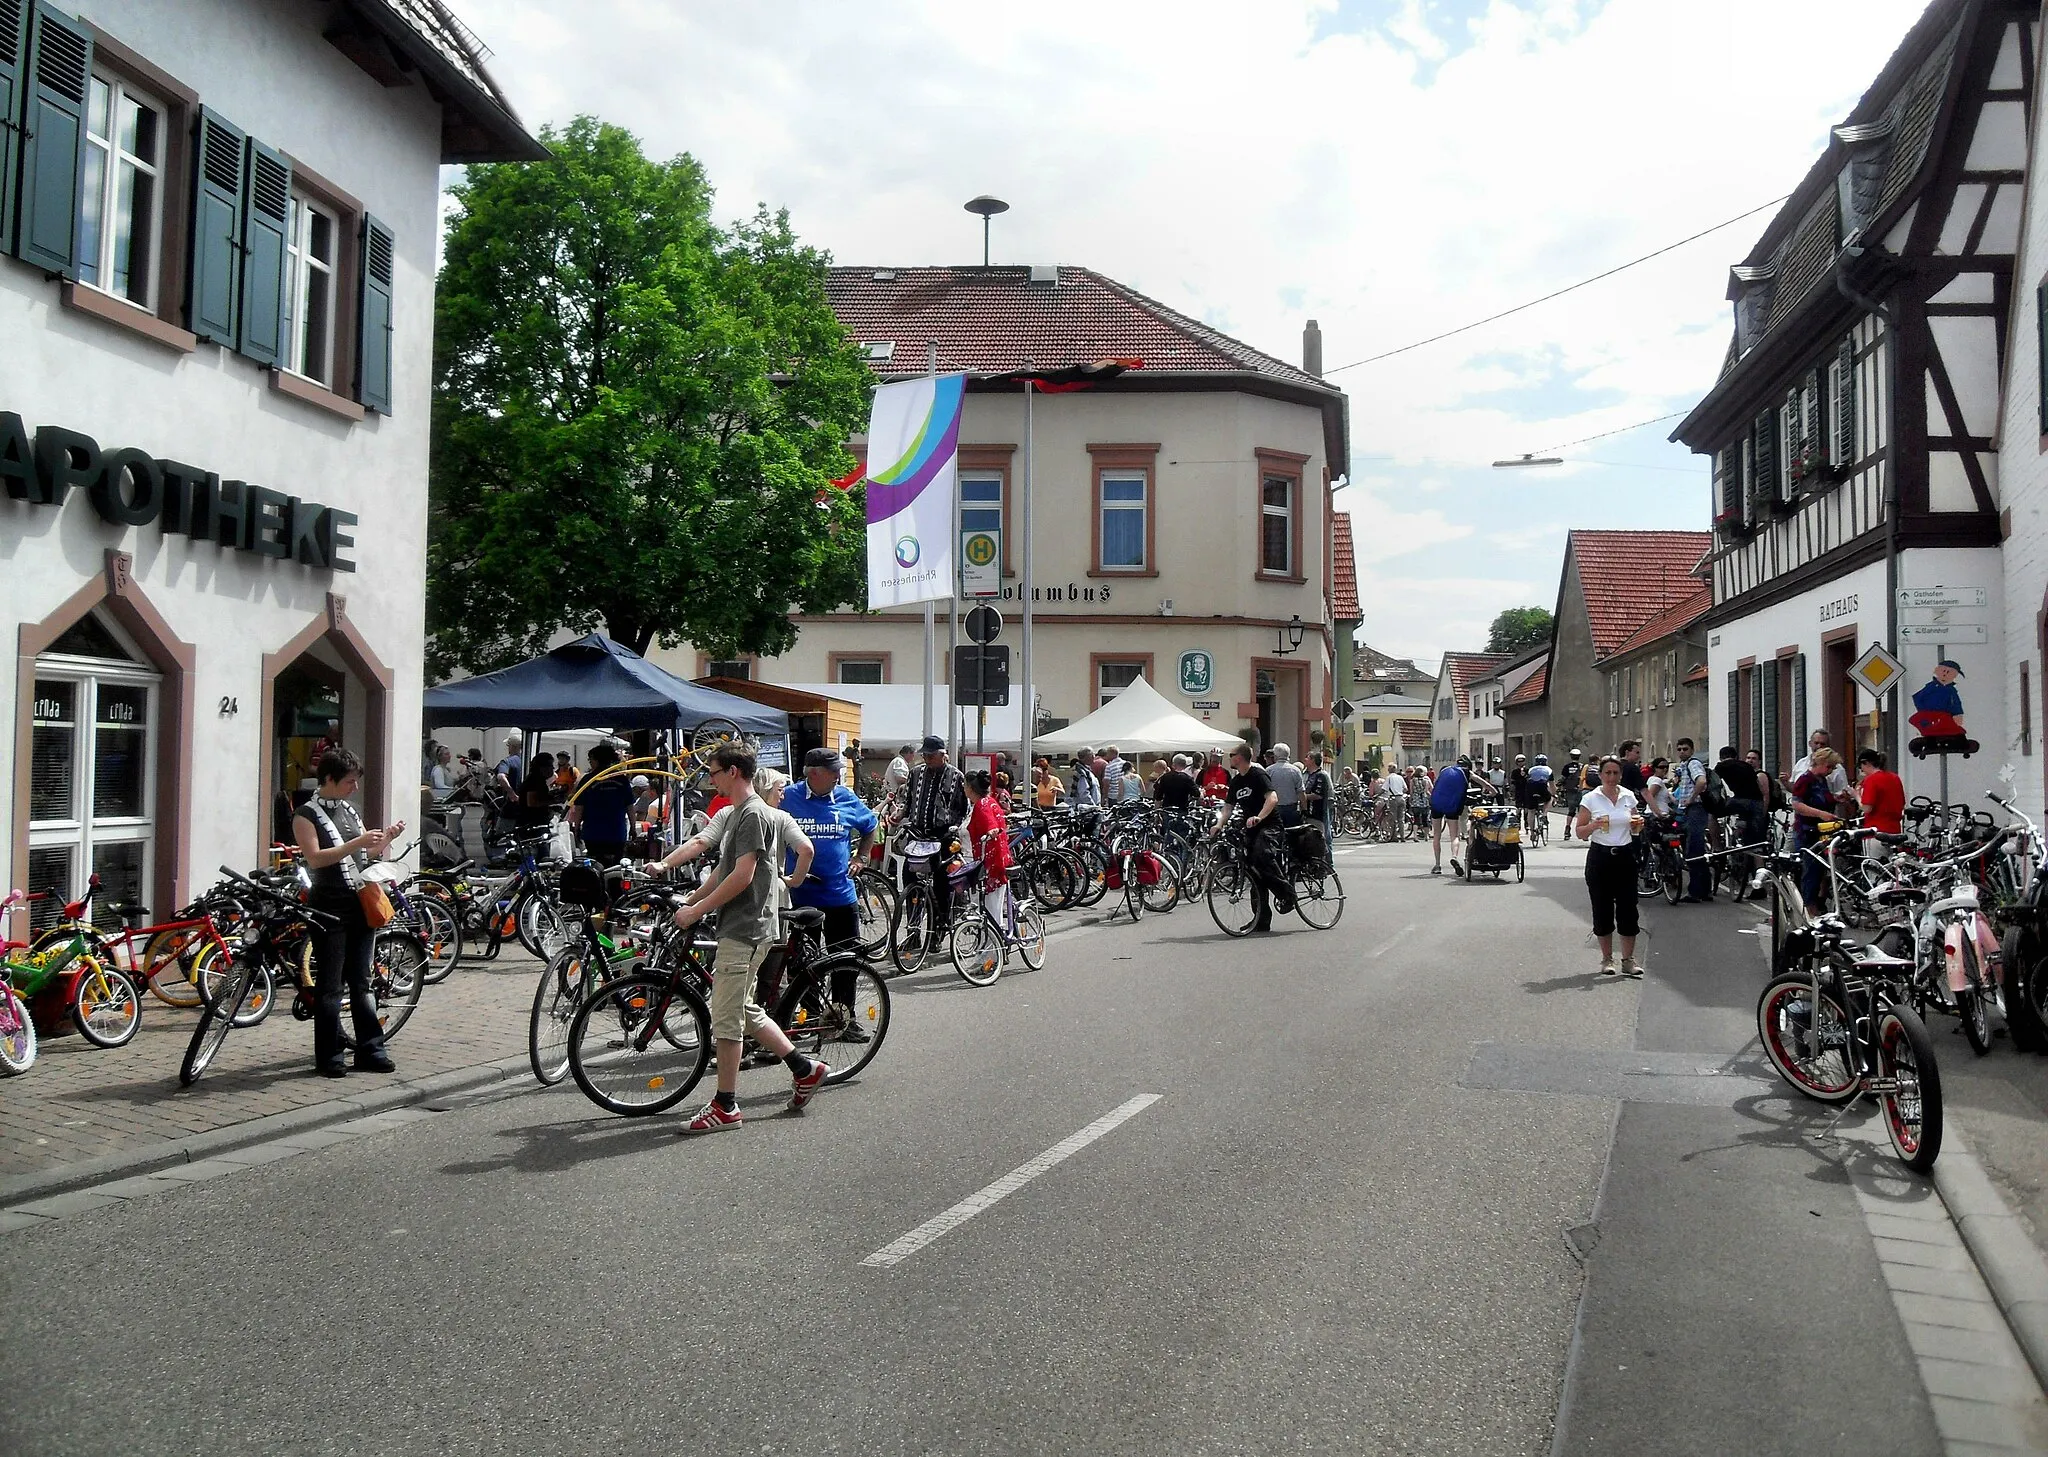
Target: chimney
(1312, 349)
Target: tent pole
(1029, 729)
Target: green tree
(1519, 629)
(635, 414)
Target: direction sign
(984, 624)
(1910, 597)
(1944, 632)
(981, 675)
(1876, 671)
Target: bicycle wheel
(542, 930)
(556, 1001)
(1031, 936)
(1319, 897)
(977, 949)
(1091, 872)
(106, 1006)
(874, 904)
(639, 1043)
(1671, 876)
(397, 965)
(1051, 881)
(216, 1017)
(440, 929)
(1912, 1106)
(257, 1000)
(910, 929)
(167, 957)
(711, 733)
(1973, 1002)
(2026, 982)
(1163, 894)
(17, 1033)
(1648, 880)
(1230, 895)
(1813, 1060)
(848, 1034)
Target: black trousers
(842, 933)
(341, 957)
(1261, 844)
(1611, 881)
(942, 893)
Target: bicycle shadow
(1851, 1151)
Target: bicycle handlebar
(299, 906)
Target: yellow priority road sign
(1877, 671)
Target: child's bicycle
(17, 1028)
(62, 977)
(982, 940)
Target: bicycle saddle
(131, 913)
(1870, 959)
(807, 918)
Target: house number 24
(229, 707)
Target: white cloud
(1256, 165)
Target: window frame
(1670, 676)
(301, 265)
(121, 87)
(345, 311)
(1098, 661)
(1288, 465)
(752, 660)
(834, 662)
(1122, 462)
(992, 460)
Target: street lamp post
(986, 207)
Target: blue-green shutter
(1799, 702)
(373, 344)
(58, 76)
(266, 221)
(13, 67)
(211, 292)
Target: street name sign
(1911, 597)
(1877, 671)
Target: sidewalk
(80, 1102)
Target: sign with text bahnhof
(133, 488)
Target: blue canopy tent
(596, 683)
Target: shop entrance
(92, 774)
(306, 719)
(324, 686)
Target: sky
(1390, 168)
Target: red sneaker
(803, 1089)
(714, 1117)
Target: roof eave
(493, 133)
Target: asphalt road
(1327, 1234)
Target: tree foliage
(635, 415)
(1518, 629)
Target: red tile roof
(1675, 618)
(1414, 732)
(992, 320)
(1468, 668)
(1343, 571)
(1532, 687)
(1629, 577)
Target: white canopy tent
(1138, 721)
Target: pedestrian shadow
(553, 1148)
(247, 1078)
(1575, 982)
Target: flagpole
(1029, 729)
(931, 368)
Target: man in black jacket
(936, 809)
(1251, 796)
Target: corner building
(1181, 511)
(216, 344)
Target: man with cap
(838, 825)
(936, 809)
(1573, 782)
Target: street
(1352, 1220)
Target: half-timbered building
(1853, 429)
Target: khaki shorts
(734, 1013)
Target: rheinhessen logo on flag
(913, 480)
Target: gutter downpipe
(1853, 249)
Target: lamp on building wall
(1287, 640)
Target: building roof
(1532, 687)
(1369, 662)
(1673, 619)
(1004, 319)
(1629, 577)
(1343, 571)
(400, 41)
(1388, 700)
(1465, 669)
(1697, 675)
(1412, 732)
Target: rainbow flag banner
(913, 489)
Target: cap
(1464, 761)
(822, 758)
(638, 781)
(1952, 663)
(932, 744)
(1521, 758)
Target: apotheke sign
(132, 488)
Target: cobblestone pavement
(80, 1102)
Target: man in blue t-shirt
(1447, 806)
(838, 823)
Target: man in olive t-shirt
(743, 892)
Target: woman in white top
(1609, 819)
(1657, 790)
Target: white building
(1465, 713)
(1854, 426)
(216, 320)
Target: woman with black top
(535, 790)
(336, 848)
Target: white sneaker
(1629, 967)
(1607, 967)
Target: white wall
(264, 65)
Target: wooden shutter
(13, 67)
(373, 347)
(211, 293)
(1845, 406)
(1728, 466)
(59, 72)
(266, 222)
(1734, 735)
(1799, 700)
(1763, 466)
(1768, 727)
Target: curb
(152, 1157)
(2006, 1255)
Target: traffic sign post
(984, 624)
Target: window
(1123, 522)
(311, 252)
(120, 191)
(1788, 445)
(863, 670)
(1276, 526)
(739, 668)
(981, 503)
(1372, 725)
(1112, 676)
(1443, 708)
(1670, 677)
(1613, 694)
